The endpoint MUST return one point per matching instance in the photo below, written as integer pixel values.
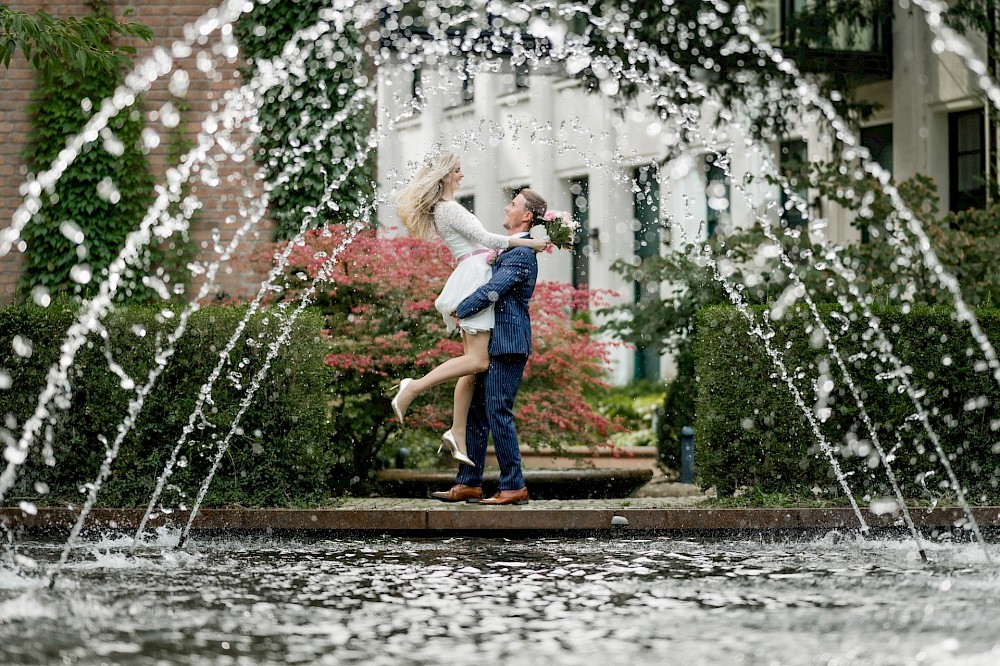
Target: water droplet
(40, 296)
(15, 455)
(71, 231)
(22, 346)
(81, 273)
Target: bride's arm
(469, 226)
(536, 244)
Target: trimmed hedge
(283, 455)
(750, 433)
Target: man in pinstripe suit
(510, 290)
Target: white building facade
(596, 159)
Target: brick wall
(219, 216)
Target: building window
(415, 84)
(578, 24)
(511, 192)
(878, 141)
(468, 202)
(646, 200)
(967, 160)
(716, 196)
(646, 212)
(794, 160)
(522, 77)
(468, 86)
(579, 189)
(515, 80)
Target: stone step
(541, 483)
(584, 457)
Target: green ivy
(329, 83)
(61, 105)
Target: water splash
(538, 134)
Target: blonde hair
(415, 202)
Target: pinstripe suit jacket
(510, 290)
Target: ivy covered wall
(211, 228)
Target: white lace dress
(470, 243)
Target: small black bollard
(687, 455)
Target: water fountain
(388, 600)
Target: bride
(428, 204)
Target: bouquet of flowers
(560, 228)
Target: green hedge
(282, 457)
(749, 432)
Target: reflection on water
(658, 601)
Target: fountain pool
(833, 599)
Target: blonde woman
(427, 205)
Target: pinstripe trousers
(492, 411)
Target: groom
(492, 409)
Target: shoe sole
(515, 502)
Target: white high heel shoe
(449, 441)
(395, 401)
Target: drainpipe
(989, 116)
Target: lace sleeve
(469, 226)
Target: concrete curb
(438, 519)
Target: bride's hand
(538, 244)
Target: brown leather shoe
(459, 493)
(507, 497)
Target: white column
(488, 190)
(389, 158)
(912, 60)
(432, 116)
(611, 215)
(557, 265)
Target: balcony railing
(845, 37)
(821, 37)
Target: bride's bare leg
(464, 388)
(475, 359)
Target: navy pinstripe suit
(492, 407)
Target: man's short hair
(534, 202)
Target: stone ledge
(431, 518)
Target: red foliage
(379, 306)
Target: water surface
(829, 600)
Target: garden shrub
(750, 433)
(281, 456)
(638, 407)
(381, 326)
